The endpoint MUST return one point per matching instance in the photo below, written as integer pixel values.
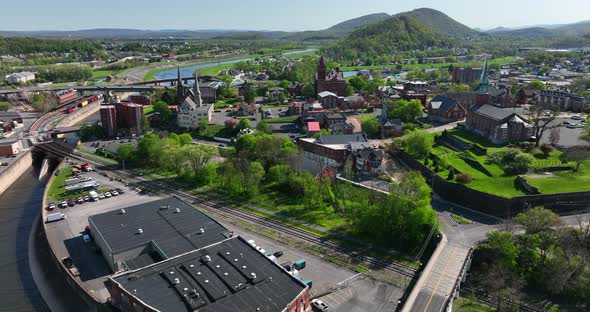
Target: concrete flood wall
(15, 170)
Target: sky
(287, 15)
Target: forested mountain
(441, 23)
(396, 34)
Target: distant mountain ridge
(441, 23)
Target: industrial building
(21, 77)
(230, 275)
(137, 236)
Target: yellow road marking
(440, 279)
(445, 221)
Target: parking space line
(339, 296)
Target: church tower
(483, 96)
(179, 88)
(322, 71)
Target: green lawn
(57, 190)
(500, 61)
(217, 131)
(564, 181)
(101, 74)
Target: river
(30, 280)
(188, 71)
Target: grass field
(500, 61)
(101, 74)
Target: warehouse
(137, 236)
(230, 275)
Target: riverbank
(15, 170)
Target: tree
(370, 126)
(459, 88)
(554, 136)
(284, 84)
(243, 124)
(512, 160)
(88, 132)
(308, 90)
(348, 168)
(145, 124)
(271, 97)
(546, 149)
(198, 155)
(502, 248)
(149, 148)
(358, 83)
(282, 97)
(408, 111)
(185, 139)
(541, 122)
(418, 144)
(173, 158)
(163, 110)
(126, 152)
(578, 155)
(4, 106)
(250, 96)
(535, 85)
(263, 127)
(537, 219)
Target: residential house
(342, 128)
(245, 109)
(328, 99)
(331, 118)
(353, 102)
(445, 109)
(276, 92)
(368, 160)
(313, 127)
(295, 108)
(525, 96)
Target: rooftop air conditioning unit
(177, 210)
(123, 211)
(139, 231)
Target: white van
(93, 195)
(55, 217)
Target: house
(329, 119)
(328, 99)
(313, 127)
(367, 159)
(209, 87)
(342, 128)
(353, 102)
(497, 124)
(276, 92)
(295, 108)
(332, 81)
(330, 150)
(295, 90)
(445, 109)
(392, 127)
(245, 109)
(192, 112)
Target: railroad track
(361, 255)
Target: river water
(29, 278)
(188, 71)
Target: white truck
(93, 195)
(52, 217)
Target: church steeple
(197, 91)
(322, 71)
(484, 82)
(179, 87)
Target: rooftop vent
(177, 210)
(123, 211)
(164, 207)
(243, 267)
(139, 231)
(225, 274)
(176, 281)
(208, 258)
(206, 281)
(191, 266)
(171, 273)
(253, 275)
(198, 273)
(202, 230)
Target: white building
(21, 77)
(192, 112)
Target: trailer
(52, 217)
(72, 181)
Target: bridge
(115, 88)
(57, 131)
(171, 81)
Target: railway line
(363, 256)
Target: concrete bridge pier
(44, 169)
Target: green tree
(579, 155)
(163, 110)
(284, 84)
(199, 155)
(149, 149)
(185, 139)
(145, 124)
(459, 88)
(535, 85)
(537, 220)
(4, 106)
(308, 90)
(503, 248)
(358, 83)
(243, 124)
(408, 111)
(250, 96)
(418, 144)
(263, 127)
(126, 152)
(370, 126)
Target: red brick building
(332, 81)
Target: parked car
(86, 238)
(576, 117)
(80, 200)
(115, 193)
(64, 204)
(107, 195)
(51, 206)
(86, 198)
(572, 126)
(278, 254)
(71, 203)
(101, 196)
(319, 305)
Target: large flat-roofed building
(21, 77)
(230, 275)
(10, 147)
(141, 235)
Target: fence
(492, 204)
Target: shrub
(546, 149)
(464, 178)
(451, 175)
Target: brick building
(466, 75)
(108, 119)
(124, 115)
(330, 150)
(332, 81)
(445, 109)
(561, 101)
(10, 147)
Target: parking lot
(568, 136)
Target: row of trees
(64, 73)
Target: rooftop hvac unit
(164, 207)
(139, 231)
(123, 211)
(177, 210)
(208, 258)
(202, 230)
(176, 281)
